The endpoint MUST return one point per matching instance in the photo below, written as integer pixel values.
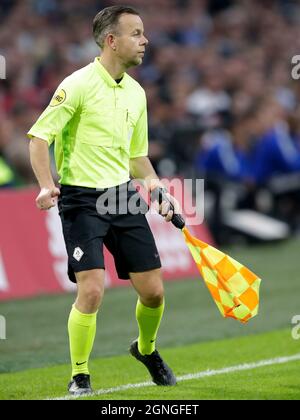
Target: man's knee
(92, 294)
(152, 295)
(90, 289)
(149, 286)
(153, 298)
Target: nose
(145, 41)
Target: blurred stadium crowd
(221, 99)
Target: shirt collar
(106, 76)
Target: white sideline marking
(189, 376)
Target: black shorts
(91, 218)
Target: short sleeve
(139, 140)
(62, 107)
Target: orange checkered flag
(234, 288)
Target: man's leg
(149, 308)
(82, 321)
(149, 311)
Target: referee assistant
(97, 120)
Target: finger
(55, 192)
(169, 216)
(49, 205)
(177, 208)
(44, 206)
(165, 208)
(38, 204)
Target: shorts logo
(58, 98)
(78, 253)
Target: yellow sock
(148, 320)
(82, 331)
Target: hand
(168, 204)
(47, 198)
(168, 208)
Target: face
(130, 42)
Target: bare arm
(40, 162)
(141, 168)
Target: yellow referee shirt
(97, 125)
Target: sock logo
(78, 364)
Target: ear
(111, 41)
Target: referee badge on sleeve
(78, 253)
(58, 98)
